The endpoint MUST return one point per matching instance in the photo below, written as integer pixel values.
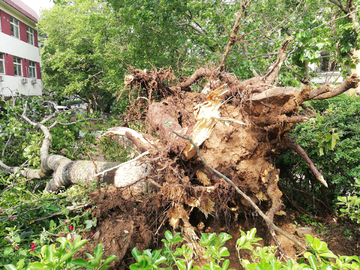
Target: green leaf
(225, 265)
(80, 262)
(10, 267)
(223, 252)
(36, 266)
(312, 260)
(97, 251)
(168, 236)
(80, 244)
(334, 138)
(109, 259)
(49, 254)
(328, 255)
(309, 239)
(136, 254)
(181, 265)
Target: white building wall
(16, 47)
(13, 85)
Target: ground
(125, 222)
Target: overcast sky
(38, 5)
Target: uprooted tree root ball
(240, 128)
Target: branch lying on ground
(61, 213)
(292, 144)
(44, 149)
(267, 220)
(80, 120)
(66, 172)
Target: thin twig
(61, 213)
(6, 144)
(143, 154)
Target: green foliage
(71, 102)
(181, 257)
(98, 40)
(350, 205)
(261, 258)
(26, 210)
(332, 142)
(213, 245)
(327, 141)
(57, 257)
(318, 256)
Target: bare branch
(339, 4)
(233, 36)
(198, 74)
(272, 74)
(306, 108)
(292, 144)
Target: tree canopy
(89, 45)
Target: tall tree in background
(74, 53)
(89, 45)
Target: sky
(38, 5)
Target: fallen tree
(239, 126)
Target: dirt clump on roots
(126, 221)
(240, 128)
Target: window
(32, 69)
(17, 66)
(30, 35)
(14, 25)
(2, 63)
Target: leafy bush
(31, 217)
(61, 257)
(350, 205)
(332, 142)
(261, 258)
(182, 257)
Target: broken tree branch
(292, 144)
(326, 91)
(61, 213)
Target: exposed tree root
(275, 197)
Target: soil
(125, 222)
(180, 194)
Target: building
(328, 72)
(20, 62)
